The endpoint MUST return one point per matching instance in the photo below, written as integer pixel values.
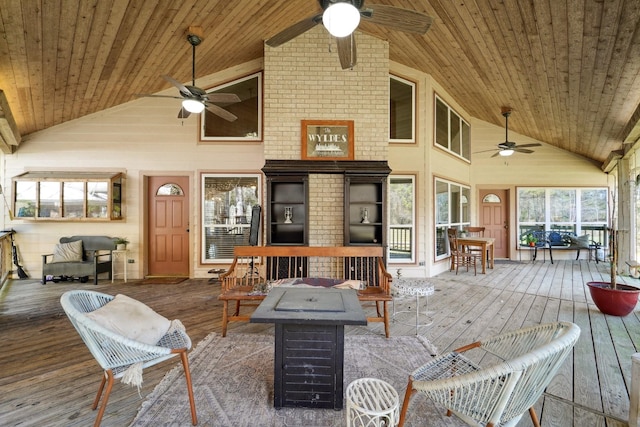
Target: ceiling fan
(341, 18)
(194, 99)
(507, 148)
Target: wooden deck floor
(47, 376)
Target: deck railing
(5, 257)
(400, 241)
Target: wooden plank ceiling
(568, 68)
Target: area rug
(233, 384)
(162, 280)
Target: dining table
(485, 243)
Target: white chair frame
(502, 393)
(115, 353)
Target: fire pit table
(309, 343)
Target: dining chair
(458, 255)
(475, 232)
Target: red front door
(494, 217)
(168, 222)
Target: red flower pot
(616, 302)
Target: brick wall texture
(303, 80)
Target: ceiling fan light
(341, 19)
(193, 106)
(505, 153)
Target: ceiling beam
(9, 134)
(612, 160)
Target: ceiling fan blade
(398, 18)
(294, 31)
(221, 112)
(347, 51)
(522, 150)
(483, 151)
(156, 96)
(182, 88)
(183, 113)
(536, 144)
(223, 98)
(497, 153)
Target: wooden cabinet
(68, 196)
(365, 189)
(287, 217)
(365, 210)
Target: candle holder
(364, 212)
(288, 215)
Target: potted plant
(531, 240)
(121, 243)
(612, 297)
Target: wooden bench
(254, 267)
(97, 258)
(634, 269)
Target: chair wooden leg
(97, 399)
(105, 399)
(386, 319)
(378, 312)
(225, 317)
(534, 417)
(405, 403)
(187, 375)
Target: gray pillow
(580, 242)
(68, 252)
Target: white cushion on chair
(132, 319)
(68, 252)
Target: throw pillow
(580, 242)
(68, 252)
(261, 288)
(132, 319)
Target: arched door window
(491, 198)
(170, 189)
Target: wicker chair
(115, 353)
(499, 394)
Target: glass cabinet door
(73, 199)
(97, 197)
(50, 201)
(25, 199)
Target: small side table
(216, 272)
(371, 402)
(119, 255)
(417, 288)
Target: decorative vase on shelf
(365, 215)
(288, 215)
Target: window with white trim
(451, 211)
(453, 133)
(401, 219)
(575, 210)
(402, 110)
(227, 202)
